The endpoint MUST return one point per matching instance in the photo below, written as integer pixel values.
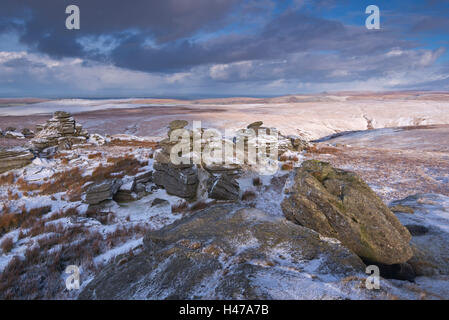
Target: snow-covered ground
(73, 106)
(390, 160)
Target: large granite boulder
(229, 252)
(14, 158)
(338, 204)
(99, 192)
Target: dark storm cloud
(289, 33)
(431, 24)
(162, 20)
(167, 24)
(207, 43)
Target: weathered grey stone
(14, 158)
(144, 177)
(178, 181)
(100, 192)
(13, 135)
(338, 204)
(126, 192)
(224, 187)
(255, 125)
(227, 252)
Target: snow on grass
(107, 256)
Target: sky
(218, 48)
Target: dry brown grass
(7, 179)
(179, 207)
(10, 221)
(133, 143)
(287, 166)
(95, 155)
(12, 195)
(63, 213)
(322, 150)
(60, 155)
(7, 245)
(37, 276)
(248, 195)
(257, 181)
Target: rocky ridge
(217, 179)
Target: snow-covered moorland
(102, 203)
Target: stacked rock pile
(61, 131)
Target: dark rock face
(98, 193)
(226, 252)
(159, 201)
(181, 181)
(14, 158)
(399, 271)
(338, 204)
(126, 192)
(134, 188)
(144, 177)
(224, 187)
(416, 229)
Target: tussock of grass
(7, 245)
(287, 166)
(7, 178)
